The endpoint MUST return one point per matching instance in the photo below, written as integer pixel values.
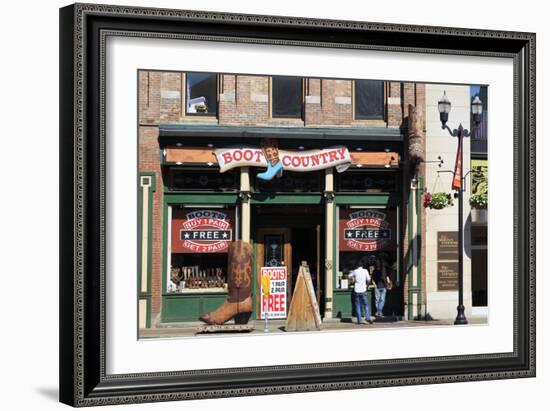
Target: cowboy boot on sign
(274, 164)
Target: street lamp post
(444, 107)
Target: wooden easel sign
(303, 314)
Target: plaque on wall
(447, 276)
(447, 245)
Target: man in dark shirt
(382, 282)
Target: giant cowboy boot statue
(274, 164)
(239, 299)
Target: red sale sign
(367, 230)
(275, 302)
(201, 230)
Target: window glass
(367, 235)
(367, 181)
(200, 240)
(273, 250)
(369, 100)
(203, 180)
(286, 95)
(201, 93)
(292, 182)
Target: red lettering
(342, 152)
(305, 161)
(258, 154)
(315, 160)
(286, 161)
(238, 155)
(248, 155)
(332, 155)
(296, 161)
(324, 155)
(226, 157)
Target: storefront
(338, 201)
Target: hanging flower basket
(438, 201)
(478, 202)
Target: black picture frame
(83, 381)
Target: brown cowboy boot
(239, 299)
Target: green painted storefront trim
(188, 304)
(188, 307)
(200, 198)
(149, 228)
(386, 199)
(254, 277)
(419, 243)
(164, 249)
(334, 252)
(342, 305)
(286, 198)
(147, 298)
(409, 258)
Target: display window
(199, 241)
(367, 236)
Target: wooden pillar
(414, 248)
(245, 204)
(329, 241)
(145, 204)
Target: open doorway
(287, 235)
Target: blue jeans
(362, 306)
(379, 298)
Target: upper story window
(287, 99)
(369, 100)
(201, 94)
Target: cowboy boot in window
(271, 154)
(239, 299)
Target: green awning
(170, 132)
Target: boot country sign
(300, 161)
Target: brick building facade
(178, 131)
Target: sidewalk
(278, 326)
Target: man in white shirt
(361, 278)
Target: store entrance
(287, 236)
